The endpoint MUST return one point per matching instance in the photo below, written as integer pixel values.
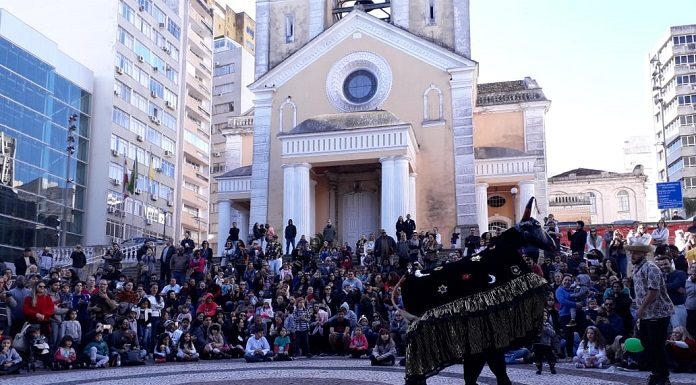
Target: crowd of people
(261, 301)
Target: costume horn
(528, 210)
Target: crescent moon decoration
(491, 279)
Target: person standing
(472, 242)
(165, 258)
(654, 311)
(290, 235)
(233, 235)
(187, 243)
(79, 261)
(608, 237)
(27, 259)
(690, 302)
(578, 239)
(409, 226)
(45, 261)
(329, 233)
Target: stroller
(33, 347)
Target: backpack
(21, 341)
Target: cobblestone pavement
(317, 371)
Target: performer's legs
(473, 365)
(496, 362)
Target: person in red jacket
(197, 264)
(681, 351)
(39, 308)
(208, 307)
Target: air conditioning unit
(138, 191)
(170, 203)
(161, 25)
(153, 197)
(141, 59)
(140, 138)
(115, 182)
(169, 104)
(148, 221)
(153, 118)
(167, 153)
(119, 70)
(114, 152)
(155, 69)
(218, 94)
(117, 92)
(217, 64)
(158, 122)
(217, 154)
(159, 170)
(110, 209)
(142, 8)
(153, 94)
(166, 49)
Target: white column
(289, 191)
(333, 192)
(312, 209)
(387, 218)
(412, 196)
(462, 32)
(526, 193)
(302, 199)
(401, 199)
(233, 151)
(240, 215)
(263, 36)
(224, 223)
(263, 104)
(482, 207)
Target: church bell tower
(285, 26)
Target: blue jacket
(563, 298)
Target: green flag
(133, 182)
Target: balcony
(504, 169)
(570, 200)
(681, 49)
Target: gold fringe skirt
(505, 316)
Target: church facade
(364, 113)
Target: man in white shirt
(173, 286)
(257, 348)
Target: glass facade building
(38, 198)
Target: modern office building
(135, 49)
(238, 26)
(673, 76)
(45, 98)
(232, 117)
(194, 173)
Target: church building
(365, 111)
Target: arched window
(593, 202)
(497, 225)
(433, 108)
(287, 115)
(496, 201)
(624, 204)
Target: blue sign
(669, 195)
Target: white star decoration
(442, 289)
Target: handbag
(20, 341)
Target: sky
(590, 57)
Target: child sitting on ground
(358, 343)
(384, 352)
(163, 350)
(10, 360)
(65, 356)
(281, 346)
(98, 351)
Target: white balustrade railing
(326, 143)
(505, 166)
(235, 185)
(94, 255)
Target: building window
(289, 28)
(623, 201)
(223, 69)
(593, 202)
(174, 29)
(497, 226)
(223, 108)
(221, 89)
(496, 201)
(431, 12)
(360, 86)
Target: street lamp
(70, 150)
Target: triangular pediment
(360, 22)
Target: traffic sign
(669, 195)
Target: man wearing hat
(654, 311)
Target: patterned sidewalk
(318, 371)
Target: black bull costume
(471, 310)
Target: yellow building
(360, 118)
(239, 27)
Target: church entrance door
(360, 213)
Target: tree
(689, 206)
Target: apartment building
(673, 78)
(238, 26)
